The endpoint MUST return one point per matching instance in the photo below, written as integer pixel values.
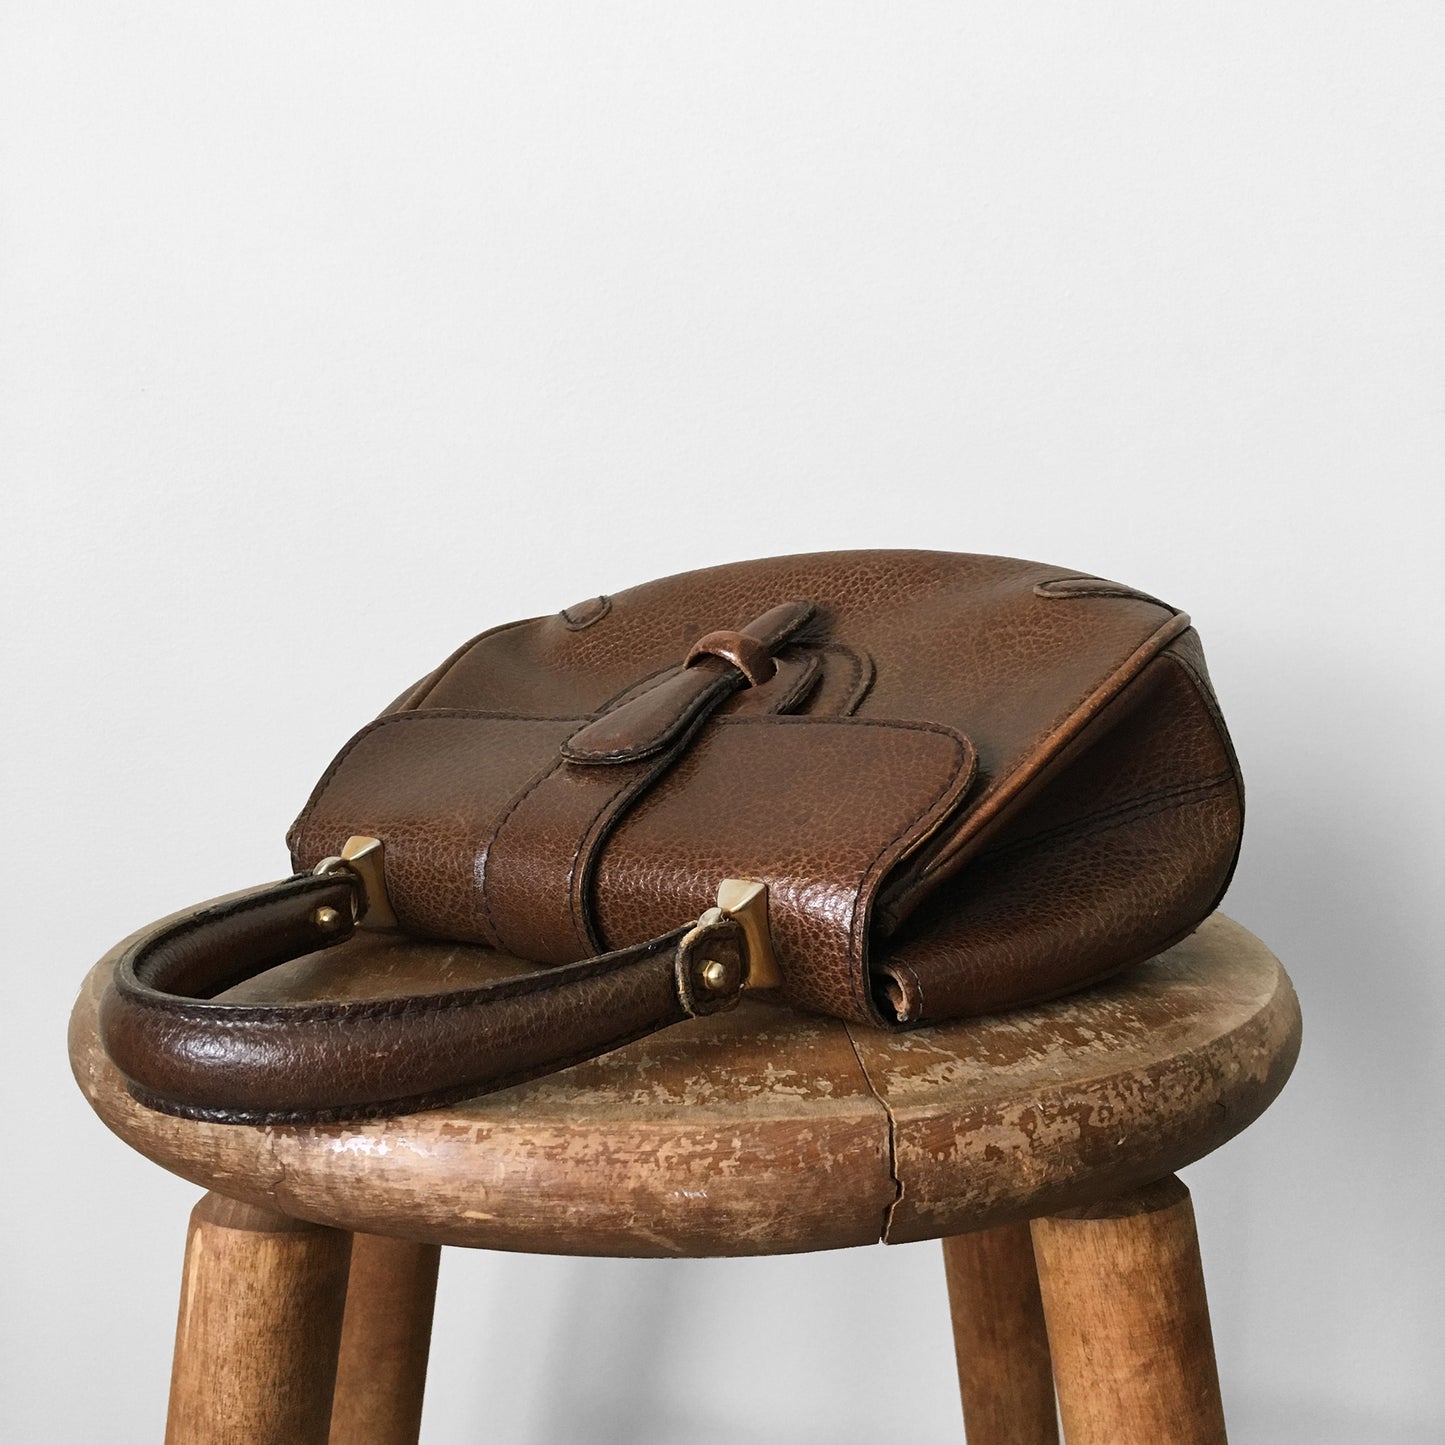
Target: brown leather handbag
(895, 787)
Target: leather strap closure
(662, 715)
(557, 826)
(183, 1051)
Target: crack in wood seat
(764, 1130)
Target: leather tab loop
(747, 654)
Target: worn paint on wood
(764, 1130)
(1022, 1114)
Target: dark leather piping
(184, 1052)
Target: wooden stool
(1039, 1146)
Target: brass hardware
(327, 919)
(746, 901)
(715, 974)
(364, 857)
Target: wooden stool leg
(260, 1320)
(999, 1337)
(384, 1342)
(1128, 1323)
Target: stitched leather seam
(1201, 684)
(1068, 588)
(1064, 731)
(868, 676)
(827, 720)
(588, 845)
(578, 625)
(1206, 694)
(857, 938)
(581, 926)
(485, 852)
(808, 678)
(250, 1016)
(637, 685)
(788, 627)
(1109, 823)
(854, 662)
(1086, 823)
(272, 897)
(702, 706)
(865, 672)
(1028, 759)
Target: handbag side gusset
(1122, 847)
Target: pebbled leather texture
(183, 1053)
(969, 782)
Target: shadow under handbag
(898, 787)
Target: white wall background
(330, 334)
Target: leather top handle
(184, 1052)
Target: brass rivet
(328, 920)
(715, 974)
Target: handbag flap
(494, 836)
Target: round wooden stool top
(764, 1130)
